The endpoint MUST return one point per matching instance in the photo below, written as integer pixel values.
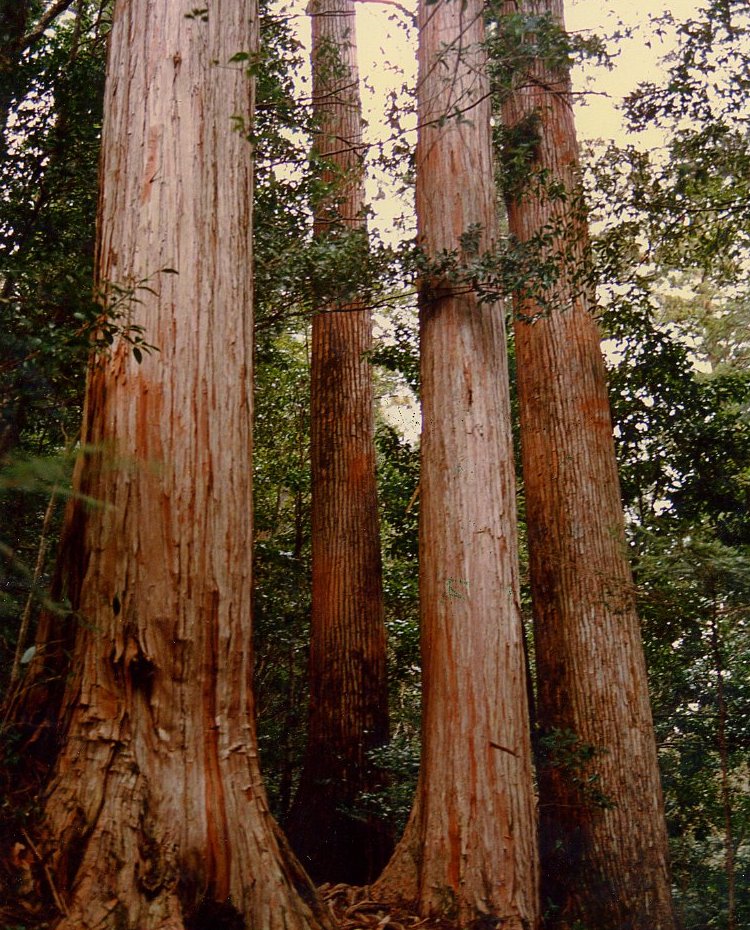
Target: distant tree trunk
(469, 850)
(155, 816)
(726, 786)
(602, 827)
(348, 677)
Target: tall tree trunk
(155, 816)
(469, 850)
(348, 678)
(602, 827)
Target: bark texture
(156, 816)
(603, 842)
(348, 677)
(469, 850)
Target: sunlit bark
(156, 816)
(469, 850)
(602, 828)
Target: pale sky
(636, 62)
(387, 54)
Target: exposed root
(350, 908)
(353, 908)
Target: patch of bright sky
(387, 56)
(639, 59)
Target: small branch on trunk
(59, 903)
(413, 498)
(503, 748)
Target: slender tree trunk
(469, 850)
(156, 816)
(603, 834)
(348, 678)
(26, 616)
(726, 788)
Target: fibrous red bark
(602, 827)
(156, 816)
(348, 678)
(469, 850)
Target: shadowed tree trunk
(348, 679)
(155, 815)
(469, 849)
(602, 827)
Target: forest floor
(352, 908)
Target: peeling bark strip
(348, 678)
(469, 850)
(604, 852)
(156, 816)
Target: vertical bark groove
(348, 683)
(156, 816)
(604, 848)
(469, 850)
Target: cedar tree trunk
(348, 678)
(602, 829)
(469, 850)
(156, 816)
